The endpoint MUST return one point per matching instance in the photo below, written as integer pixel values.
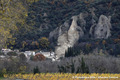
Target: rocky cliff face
(102, 28)
(69, 38)
(72, 30)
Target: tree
(84, 67)
(44, 43)
(22, 69)
(22, 57)
(72, 51)
(12, 18)
(62, 69)
(12, 53)
(2, 72)
(4, 36)
(35, 45)
(88, 48)
(24, 44)
(39, 57)
(4, 4)
(36, 70)
(73, 66)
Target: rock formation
(102, 29)
(67, 34)
(72, 30)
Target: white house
(5, 51)
(16, 50)
(29, 53)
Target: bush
(22, 57)
(22, 69)
(2, 72)
(1, 53)
(12, 54)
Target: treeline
(79, 64)
(109, 46)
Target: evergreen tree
(36, 70)
(84, 67)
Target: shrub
(22, 69)
(44, 43)
(2, 72)
(12, 54)
(1, 53)
(22, 57)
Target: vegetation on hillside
(26, 24)
(92, 63)
(28, 20)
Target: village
(5, 53)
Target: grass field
(63, 76)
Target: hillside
(24, 22)
(54, 37)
